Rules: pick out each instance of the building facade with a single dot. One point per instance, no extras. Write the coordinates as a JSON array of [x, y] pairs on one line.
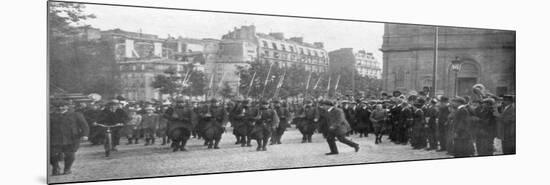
[[363, 62], [244, 45], [486, 56]]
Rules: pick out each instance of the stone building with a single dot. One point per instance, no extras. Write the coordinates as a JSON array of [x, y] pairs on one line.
[[244, 45], [363, 62], [486, 56]]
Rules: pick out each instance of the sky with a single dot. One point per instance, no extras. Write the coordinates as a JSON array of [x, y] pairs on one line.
[[194, 24]]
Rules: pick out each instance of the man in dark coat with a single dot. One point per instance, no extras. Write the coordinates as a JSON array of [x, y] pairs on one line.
[[237, 118], [266, 122], [418, 139], [443, 111], [431, 115], [284, 115], [113, 115], [507, 125], [337, 126], [461, 122], [92, 115], [364, 124], [66, 130]]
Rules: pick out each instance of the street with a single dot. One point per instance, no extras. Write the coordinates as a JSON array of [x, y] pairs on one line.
[[149, 161]]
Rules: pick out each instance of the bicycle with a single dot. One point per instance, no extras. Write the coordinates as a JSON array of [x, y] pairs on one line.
[[108, 137]]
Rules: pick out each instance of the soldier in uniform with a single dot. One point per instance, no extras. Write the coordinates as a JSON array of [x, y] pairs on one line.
[[404, 123], [236, 117], [67, 128], [284, 115], [214, 118], [181, 121], [394, 115], [163, 125], [305, 120], [337, 127], [378, 118], [266, 122]]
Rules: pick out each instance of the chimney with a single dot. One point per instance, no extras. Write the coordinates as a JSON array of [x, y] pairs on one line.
[[297, 39], [319, 45], [278, 35]]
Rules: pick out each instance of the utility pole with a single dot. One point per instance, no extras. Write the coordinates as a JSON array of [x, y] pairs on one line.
[[434, 74]]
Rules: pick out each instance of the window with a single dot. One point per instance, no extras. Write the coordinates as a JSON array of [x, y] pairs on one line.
[[291, 49], [275, 55], [283, 47], [274, 45], [315, 52], [265, 44], [266, 53], [302, 51], [308, 52]]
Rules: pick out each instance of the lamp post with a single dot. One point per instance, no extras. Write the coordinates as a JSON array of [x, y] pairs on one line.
[[456, 64]]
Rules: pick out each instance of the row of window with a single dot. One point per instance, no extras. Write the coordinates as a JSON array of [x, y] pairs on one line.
[[291, 49], [143, 67], [292, 57]]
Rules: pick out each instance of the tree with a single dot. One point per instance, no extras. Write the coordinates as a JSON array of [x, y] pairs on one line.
[[226, 92], [172, 81]]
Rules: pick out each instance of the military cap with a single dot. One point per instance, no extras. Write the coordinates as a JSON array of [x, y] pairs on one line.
[[420, 101], [412, 98], [444, 99], [213, 100]]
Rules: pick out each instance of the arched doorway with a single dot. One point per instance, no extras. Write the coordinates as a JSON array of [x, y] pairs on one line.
[[467, 77]]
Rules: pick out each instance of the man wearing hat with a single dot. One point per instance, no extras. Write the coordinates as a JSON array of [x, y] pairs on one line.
[[364, 123], [418, 139], [431, 114], [306, 119], [67, 128], [337, 126], [507, 124], [266, 122], [284, 115], [236, 117], [181, 121]]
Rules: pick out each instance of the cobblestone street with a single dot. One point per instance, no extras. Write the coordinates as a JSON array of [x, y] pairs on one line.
[[149, 161]]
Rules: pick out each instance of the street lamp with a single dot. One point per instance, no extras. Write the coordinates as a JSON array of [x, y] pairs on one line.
[[456, 64]]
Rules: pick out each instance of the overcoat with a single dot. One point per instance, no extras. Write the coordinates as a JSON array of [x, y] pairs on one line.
[[67, 128], [336, 122]]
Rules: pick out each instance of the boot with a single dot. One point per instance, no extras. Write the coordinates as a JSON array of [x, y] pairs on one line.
[[183, 143], [69, 159], [163, 141], [146, 141], [264, 145], [129, 141], [309, 138], [176, 146], [248, 140], [259, 148], [333, 148], [216, 144], [136, 141], [55, 169], [152, 141], [304, 139]]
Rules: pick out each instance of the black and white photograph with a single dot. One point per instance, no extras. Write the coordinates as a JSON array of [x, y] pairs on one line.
[[144, 92]]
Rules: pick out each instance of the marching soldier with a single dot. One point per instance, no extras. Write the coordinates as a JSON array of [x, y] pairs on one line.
[[378, 118], [181, 121], [237, 119], [266, 122], [306, 118], [162, 130], [337, 127], [214, 118], [284, 115], [67, 128]]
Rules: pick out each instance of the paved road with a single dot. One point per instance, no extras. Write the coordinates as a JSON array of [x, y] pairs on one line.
[[147, 161]]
